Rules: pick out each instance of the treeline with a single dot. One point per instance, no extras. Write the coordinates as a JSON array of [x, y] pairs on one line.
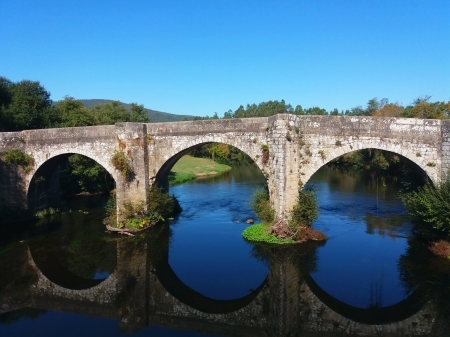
[[27, 105], [420, 108]]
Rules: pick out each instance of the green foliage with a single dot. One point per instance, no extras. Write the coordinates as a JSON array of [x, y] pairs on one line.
[[121, 162], [265, 154], [222, 153], [261, 233], [73, 113], [25, 105], [430, 205], [18, 158], [161, 206], [161, 202], [322, 154], [260, 204], [83, 175], [374, 160], [306, 210], [46, 212], [111, 210]]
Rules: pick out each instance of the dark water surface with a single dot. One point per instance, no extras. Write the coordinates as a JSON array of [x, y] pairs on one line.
[[198, 277]]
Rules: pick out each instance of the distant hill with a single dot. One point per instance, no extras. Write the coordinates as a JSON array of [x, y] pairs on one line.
[[153, 115]]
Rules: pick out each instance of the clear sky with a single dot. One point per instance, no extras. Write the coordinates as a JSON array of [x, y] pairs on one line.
[[198, 57]]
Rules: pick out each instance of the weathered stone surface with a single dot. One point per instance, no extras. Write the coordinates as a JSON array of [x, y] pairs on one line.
[[298, 147]]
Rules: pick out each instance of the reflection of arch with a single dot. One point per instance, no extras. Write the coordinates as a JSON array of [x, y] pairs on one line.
[[162, 174], [179, 290], [172, 283], [48, 168], [384, 315], [418, 162], [53, 269]]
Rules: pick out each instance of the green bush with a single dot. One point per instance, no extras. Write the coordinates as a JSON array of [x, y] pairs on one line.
[[260, 204], [305, 210], [161, 202], [18, 158], [430, 205], [161, 206], [121, 162]]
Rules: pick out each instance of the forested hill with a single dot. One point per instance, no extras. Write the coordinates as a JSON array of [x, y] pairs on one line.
[[153, 115]]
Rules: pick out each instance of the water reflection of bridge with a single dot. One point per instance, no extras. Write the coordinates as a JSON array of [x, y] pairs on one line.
[[143, 290]]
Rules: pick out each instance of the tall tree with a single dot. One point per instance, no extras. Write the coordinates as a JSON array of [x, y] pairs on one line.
[[29, 106], [73, 113]]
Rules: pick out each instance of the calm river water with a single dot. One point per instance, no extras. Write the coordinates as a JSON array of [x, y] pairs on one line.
[[198, 277]]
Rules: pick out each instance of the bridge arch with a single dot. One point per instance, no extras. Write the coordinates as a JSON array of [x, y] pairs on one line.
[[46, 169], [430, 169], [160, 179]]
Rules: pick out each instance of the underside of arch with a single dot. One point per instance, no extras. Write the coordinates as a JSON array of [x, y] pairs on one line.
[[161, 177], [429, 171], [43, 186]]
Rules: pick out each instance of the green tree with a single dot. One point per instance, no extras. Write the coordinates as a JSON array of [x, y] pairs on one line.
[[430, 205], [110, 113], [73, 113], [138, 114], [27, 105]]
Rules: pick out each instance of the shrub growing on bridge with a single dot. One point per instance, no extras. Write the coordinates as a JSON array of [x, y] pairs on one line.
[[18, 158]]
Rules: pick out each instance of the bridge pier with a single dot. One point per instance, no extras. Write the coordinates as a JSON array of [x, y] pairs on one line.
[[131, 138]]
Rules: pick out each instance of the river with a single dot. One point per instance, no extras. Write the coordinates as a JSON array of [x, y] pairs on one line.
[[198, 277]]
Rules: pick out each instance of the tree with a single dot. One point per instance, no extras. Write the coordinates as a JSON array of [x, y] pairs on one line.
[[5, 100], [73, 113], [390, 110], [110, 113], [138, 114], [29, 106]]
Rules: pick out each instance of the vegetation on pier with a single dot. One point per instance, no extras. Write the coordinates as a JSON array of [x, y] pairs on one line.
[[297, 229]]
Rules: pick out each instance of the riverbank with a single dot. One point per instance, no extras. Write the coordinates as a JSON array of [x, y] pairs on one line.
[[189, 168]]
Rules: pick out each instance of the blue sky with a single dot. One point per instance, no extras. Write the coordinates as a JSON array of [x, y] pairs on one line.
[[198, 57]]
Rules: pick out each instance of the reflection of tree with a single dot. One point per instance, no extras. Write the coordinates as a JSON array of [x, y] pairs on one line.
[[88, 255], [82, 253], [384, 225], [419, 269], [352, 181]]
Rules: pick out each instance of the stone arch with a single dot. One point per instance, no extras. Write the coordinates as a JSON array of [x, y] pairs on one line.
[[47, 166], [176, 153], [317, 161]]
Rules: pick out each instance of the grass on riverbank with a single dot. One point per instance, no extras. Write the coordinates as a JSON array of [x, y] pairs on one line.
[[189, 168]]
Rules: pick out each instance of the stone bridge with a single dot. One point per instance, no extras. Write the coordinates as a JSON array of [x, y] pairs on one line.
[[143, 290], [297, 146]]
